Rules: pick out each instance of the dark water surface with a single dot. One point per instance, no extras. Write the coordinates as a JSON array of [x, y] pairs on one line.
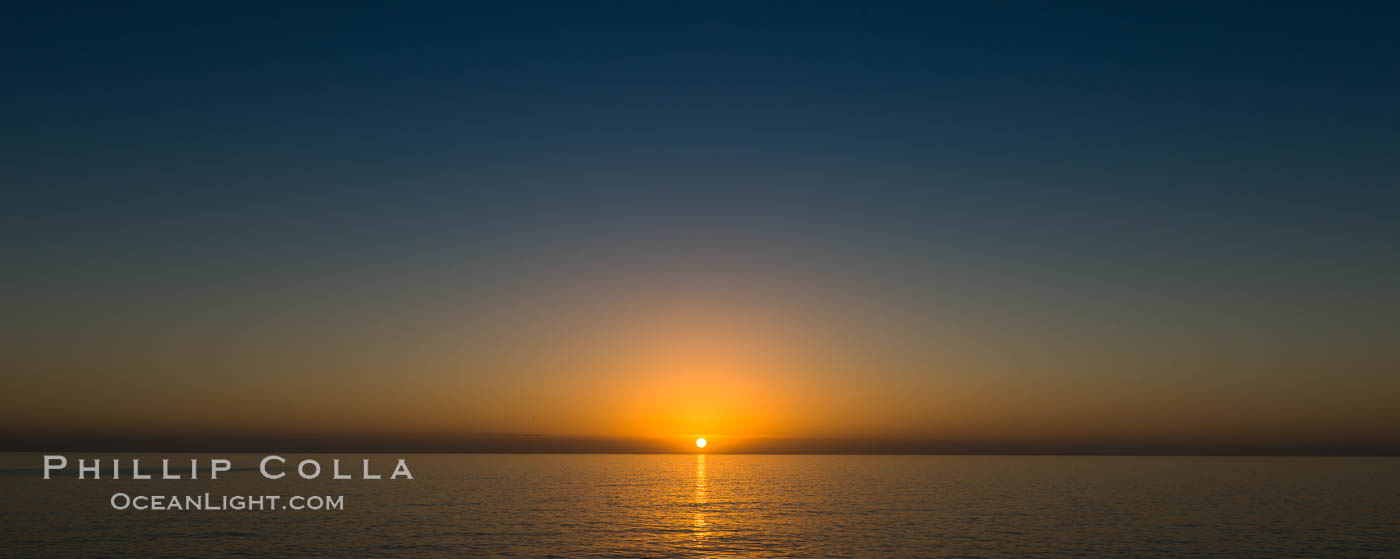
[[736, 506]]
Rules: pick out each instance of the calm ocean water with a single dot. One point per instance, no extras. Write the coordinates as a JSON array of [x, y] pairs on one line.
[[741, 506]]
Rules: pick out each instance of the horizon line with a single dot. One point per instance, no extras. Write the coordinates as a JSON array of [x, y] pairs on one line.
[[678, 453], [93, 442]]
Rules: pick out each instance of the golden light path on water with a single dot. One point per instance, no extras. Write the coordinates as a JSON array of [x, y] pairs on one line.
[[701, 528]]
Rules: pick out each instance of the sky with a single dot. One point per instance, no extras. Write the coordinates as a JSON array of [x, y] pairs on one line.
[[1021, 226]]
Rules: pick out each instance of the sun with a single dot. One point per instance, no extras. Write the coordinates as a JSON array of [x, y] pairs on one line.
[[700, 443]]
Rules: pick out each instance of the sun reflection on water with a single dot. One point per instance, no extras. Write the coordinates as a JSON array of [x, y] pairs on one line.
[[700, 527]]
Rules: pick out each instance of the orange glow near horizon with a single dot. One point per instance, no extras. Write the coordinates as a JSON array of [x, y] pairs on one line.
[[699, 369], [672, 366]]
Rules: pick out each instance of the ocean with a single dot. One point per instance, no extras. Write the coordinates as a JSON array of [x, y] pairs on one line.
[[716, 505]]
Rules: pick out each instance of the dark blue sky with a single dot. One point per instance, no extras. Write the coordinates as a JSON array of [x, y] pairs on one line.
[[1021, 107], [1212, 181]]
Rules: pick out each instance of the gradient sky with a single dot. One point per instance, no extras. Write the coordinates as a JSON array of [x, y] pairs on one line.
[[1171, 225]]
